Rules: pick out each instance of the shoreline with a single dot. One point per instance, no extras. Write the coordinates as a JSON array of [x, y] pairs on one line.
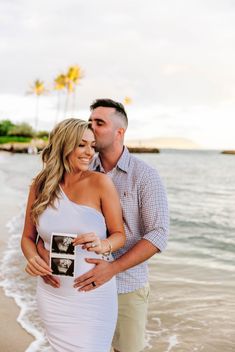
[[9, 311], [228, 152], [35, 146], [31, 147]]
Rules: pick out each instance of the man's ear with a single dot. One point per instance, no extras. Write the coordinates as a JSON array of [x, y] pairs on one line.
[[121, 132]]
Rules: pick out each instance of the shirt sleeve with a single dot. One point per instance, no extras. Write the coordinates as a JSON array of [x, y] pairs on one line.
[[154, 209]]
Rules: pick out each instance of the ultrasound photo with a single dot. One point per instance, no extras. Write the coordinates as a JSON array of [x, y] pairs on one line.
[[62, 254], [62, 266], [62, 244]]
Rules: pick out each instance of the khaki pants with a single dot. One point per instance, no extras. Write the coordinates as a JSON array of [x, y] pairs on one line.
[[132, 317]]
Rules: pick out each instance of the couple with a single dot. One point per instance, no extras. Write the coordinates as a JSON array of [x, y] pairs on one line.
[[81, 314]]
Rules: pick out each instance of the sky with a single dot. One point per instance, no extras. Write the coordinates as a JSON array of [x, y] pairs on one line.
[[174, 58]]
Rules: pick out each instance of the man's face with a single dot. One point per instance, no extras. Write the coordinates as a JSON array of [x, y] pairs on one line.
[[103, 126]]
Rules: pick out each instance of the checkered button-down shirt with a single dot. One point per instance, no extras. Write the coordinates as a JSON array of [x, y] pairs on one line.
[[145, 212]]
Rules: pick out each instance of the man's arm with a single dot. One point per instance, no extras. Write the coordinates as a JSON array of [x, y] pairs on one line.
[[153, 211], [104, 271], [45, 254], [142, 251]]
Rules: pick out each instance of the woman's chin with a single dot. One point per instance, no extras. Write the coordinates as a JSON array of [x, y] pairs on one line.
[[79, 168]]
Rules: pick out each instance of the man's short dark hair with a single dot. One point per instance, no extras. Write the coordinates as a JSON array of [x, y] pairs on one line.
[[109, 103]]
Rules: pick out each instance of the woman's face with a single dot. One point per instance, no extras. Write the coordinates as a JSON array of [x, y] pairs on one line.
[[80, 158]]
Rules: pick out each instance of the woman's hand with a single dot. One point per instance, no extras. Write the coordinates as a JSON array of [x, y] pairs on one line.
[[89, 241], [37, 266]]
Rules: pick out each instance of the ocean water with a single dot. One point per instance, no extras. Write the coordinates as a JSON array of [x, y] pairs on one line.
[[192, 301]]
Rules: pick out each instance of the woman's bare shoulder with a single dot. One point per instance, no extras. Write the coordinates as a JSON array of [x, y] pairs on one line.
[[100, 179]]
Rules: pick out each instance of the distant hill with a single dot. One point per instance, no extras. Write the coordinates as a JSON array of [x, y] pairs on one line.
[[164, 142]]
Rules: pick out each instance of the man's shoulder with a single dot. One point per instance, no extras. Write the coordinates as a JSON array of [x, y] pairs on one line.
[[140, 167], [140, 173]]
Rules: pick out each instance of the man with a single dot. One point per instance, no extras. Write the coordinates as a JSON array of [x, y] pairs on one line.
[[145, 215]]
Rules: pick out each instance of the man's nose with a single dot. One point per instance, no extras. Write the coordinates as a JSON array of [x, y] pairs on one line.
[[93, 125]]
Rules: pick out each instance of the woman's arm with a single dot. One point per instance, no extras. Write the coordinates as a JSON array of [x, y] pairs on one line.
[[36, 265], [54, 281]]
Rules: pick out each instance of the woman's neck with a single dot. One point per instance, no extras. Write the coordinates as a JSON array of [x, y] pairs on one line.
[[72, 177]]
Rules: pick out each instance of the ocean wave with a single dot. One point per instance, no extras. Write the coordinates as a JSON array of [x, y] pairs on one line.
[[19, 286]]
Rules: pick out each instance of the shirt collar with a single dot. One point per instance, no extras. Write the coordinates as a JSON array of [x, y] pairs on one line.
[[122, 164]]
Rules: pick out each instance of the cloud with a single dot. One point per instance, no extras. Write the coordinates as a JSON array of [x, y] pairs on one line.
[[174, 54]]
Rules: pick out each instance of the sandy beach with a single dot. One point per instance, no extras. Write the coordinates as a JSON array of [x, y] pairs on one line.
[[9, 312]]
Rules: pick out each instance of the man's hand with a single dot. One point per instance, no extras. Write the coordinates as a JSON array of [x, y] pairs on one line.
[[51, 280], [101, 273]]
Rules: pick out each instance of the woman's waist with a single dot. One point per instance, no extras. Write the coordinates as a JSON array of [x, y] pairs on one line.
[[68, 267], [66, 288]]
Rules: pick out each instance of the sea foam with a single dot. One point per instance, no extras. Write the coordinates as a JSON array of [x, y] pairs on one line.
[[21, 287]]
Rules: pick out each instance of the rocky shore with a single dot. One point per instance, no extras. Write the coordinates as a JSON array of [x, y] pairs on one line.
[[143, 150], [228, 152], [37, 145], [32, 147]]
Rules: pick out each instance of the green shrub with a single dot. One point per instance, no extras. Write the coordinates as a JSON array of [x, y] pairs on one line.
[[22, 129], [43, 134], [5, 127]]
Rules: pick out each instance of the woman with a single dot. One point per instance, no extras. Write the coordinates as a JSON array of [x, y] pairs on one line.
[[66, 197]]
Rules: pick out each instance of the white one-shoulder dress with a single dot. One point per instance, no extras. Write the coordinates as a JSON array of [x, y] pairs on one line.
[[76, 321]]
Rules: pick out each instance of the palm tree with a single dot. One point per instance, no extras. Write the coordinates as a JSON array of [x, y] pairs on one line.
[[60, 85], [38, 88], [73, 77], [127, 100]]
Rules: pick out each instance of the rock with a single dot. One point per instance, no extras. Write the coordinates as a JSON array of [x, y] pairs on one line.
[[228, 152], [143, 150]]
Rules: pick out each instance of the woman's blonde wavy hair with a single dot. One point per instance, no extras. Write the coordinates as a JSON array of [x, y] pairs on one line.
[[63, 139]]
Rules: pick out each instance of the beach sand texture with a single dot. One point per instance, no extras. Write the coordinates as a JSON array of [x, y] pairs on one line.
[[192, 284]]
